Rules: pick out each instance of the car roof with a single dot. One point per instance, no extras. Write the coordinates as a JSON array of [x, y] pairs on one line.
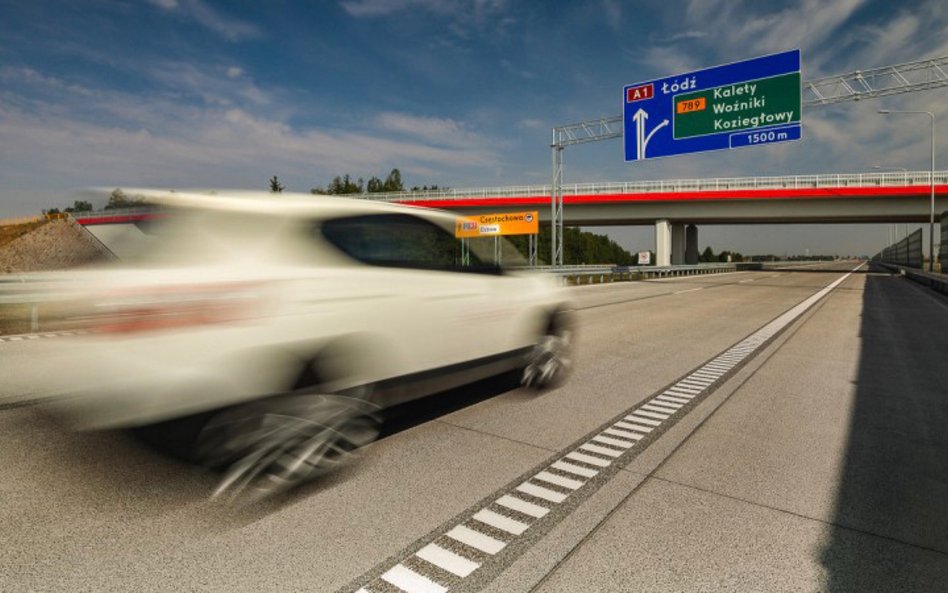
[[275, 204]]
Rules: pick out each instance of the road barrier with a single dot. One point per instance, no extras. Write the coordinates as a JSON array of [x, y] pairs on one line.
[[936, 282], [906, 253]]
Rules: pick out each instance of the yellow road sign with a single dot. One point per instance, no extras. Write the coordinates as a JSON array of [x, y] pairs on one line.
[[486, 225]]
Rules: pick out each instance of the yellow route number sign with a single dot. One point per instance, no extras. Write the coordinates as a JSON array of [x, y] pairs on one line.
[[487, 225]]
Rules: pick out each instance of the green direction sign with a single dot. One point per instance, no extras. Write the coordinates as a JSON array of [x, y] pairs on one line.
[[749, 104]]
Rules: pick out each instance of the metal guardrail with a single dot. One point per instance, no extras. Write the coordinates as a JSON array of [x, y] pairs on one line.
[[889, 179], [113, 212], [611, 273], [600, 274]]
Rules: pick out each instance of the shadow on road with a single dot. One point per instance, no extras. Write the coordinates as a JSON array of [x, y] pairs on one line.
[[891, 521]]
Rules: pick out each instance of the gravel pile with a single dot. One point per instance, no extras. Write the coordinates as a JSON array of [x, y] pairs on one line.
[[55, 245]]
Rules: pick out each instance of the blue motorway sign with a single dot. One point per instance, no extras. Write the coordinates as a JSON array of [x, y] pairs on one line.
[[746, 103]]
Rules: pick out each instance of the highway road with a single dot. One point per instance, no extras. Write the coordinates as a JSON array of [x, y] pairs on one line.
[[796, 440]]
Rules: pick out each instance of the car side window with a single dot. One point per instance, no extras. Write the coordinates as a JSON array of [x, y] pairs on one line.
[[400, 241]]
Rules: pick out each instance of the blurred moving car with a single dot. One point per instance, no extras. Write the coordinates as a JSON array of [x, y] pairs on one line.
[[264, 332]]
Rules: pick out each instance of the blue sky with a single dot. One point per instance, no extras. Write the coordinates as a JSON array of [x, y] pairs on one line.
[[463, 93]]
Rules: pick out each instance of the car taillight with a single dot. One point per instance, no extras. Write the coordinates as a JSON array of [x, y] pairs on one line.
[[175, 307]]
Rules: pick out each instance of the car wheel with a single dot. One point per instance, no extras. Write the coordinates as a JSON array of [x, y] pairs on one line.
[[549, 362], [270, 446]]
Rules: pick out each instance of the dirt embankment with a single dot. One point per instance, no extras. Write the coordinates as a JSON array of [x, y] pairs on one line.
[[55, 245]]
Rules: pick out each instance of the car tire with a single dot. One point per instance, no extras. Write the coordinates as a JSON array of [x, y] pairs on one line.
[[549, 363], [269, 446]]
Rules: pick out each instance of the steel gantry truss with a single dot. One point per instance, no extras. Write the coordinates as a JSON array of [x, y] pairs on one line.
[[862, 84]]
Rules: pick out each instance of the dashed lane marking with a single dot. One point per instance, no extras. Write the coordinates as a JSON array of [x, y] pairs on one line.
[[472, 548], [22, 337]]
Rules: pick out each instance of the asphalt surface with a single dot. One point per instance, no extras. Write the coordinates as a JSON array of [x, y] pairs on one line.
[[819, 464]]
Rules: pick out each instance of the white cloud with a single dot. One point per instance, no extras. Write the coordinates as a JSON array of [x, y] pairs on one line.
[[612, 10], [206, 82], [516, 71], [533, 124], [476, 11], [161, 142], [437, 131], [199, 11], [378, 8], [31, 77]]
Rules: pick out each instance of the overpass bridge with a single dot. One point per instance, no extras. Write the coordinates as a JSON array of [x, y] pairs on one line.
[[675, 207]]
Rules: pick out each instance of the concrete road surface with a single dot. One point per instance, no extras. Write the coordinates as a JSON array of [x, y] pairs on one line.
[[813, 457]]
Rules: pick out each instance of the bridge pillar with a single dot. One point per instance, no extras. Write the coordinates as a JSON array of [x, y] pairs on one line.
[[678, 244], [663, 243], [691, 245]]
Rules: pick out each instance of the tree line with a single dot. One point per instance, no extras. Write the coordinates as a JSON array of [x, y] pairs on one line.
[[579, 247], [345, 185]]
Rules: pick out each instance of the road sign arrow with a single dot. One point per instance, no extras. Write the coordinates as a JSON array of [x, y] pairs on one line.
[[641, 139], [640, 117]]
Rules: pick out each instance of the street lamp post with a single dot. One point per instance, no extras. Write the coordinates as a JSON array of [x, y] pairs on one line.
[[931, 178]]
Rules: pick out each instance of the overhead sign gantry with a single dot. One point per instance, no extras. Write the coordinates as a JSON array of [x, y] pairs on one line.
[[756, 101]]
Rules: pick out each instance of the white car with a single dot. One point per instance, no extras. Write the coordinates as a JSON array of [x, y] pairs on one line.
[[264, 331]]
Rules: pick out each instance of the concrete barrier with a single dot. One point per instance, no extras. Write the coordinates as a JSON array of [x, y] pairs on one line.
[[936, 282]]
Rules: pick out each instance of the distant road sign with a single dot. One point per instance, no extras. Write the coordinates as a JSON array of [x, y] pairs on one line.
[[485, 225], [747, 103]]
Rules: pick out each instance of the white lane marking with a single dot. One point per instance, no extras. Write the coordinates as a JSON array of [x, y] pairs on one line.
[[716, 366], [608, 440], [746, 281], [659, 409], [519, 504], [404, 578], [559, 480], [638, 427], [501, 522], [646, 421], [476, 539], [601, 450], [694, 383], [625, 434], [447, 560], [706, 375], [575, 469], [665, 405], [15, 339], [410, 581], [648, 414], [541, 492], [675, 392], [678, 401], [685, 388], [689, 290], [591, 460]]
